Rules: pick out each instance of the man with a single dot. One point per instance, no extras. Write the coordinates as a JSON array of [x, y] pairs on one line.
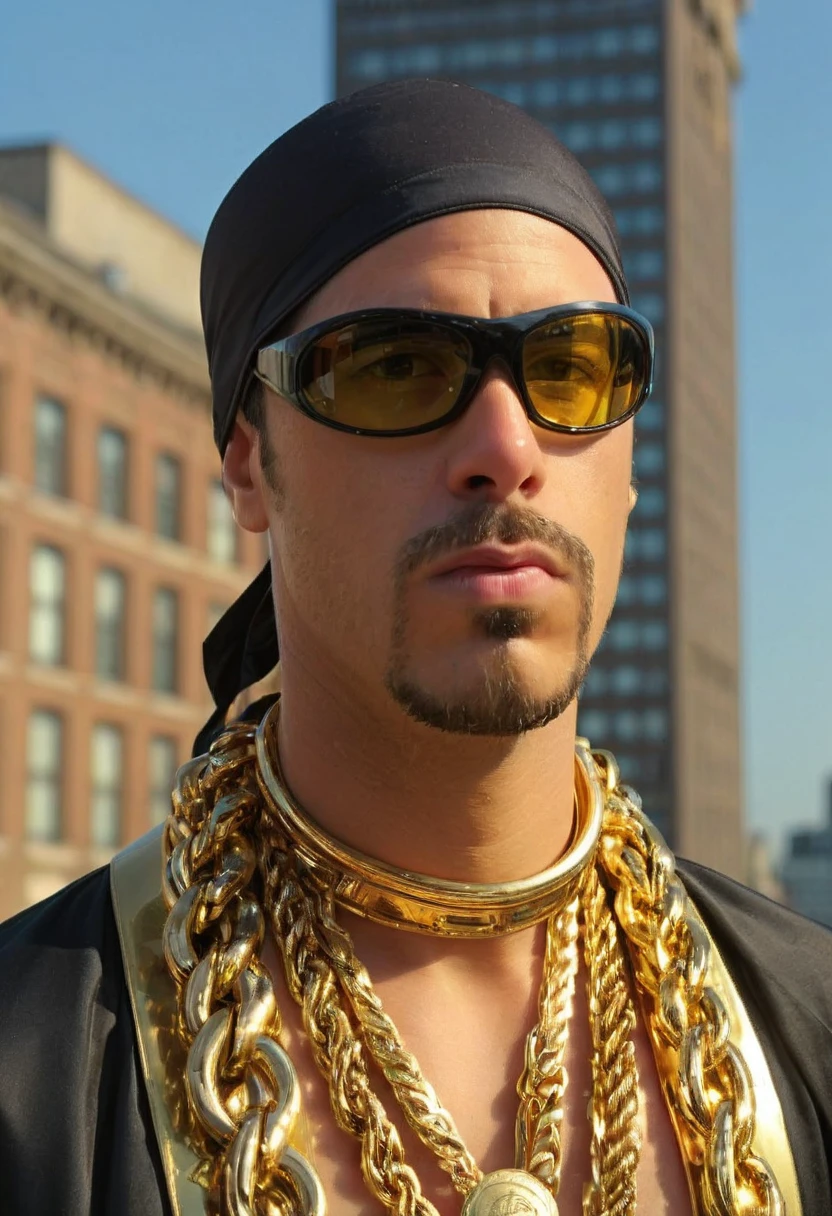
[[425, 376]]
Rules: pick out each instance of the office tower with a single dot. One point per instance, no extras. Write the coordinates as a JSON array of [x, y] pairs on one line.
[[640, 90], [117, 547]]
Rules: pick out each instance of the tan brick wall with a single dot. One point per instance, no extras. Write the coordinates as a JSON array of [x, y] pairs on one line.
[[48, 345]]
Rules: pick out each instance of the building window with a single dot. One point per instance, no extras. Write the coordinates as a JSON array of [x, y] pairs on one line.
[[593, 724], [650, 417], [595, 684], [650, 459], [655, 725], [652, 589], [162, 763], [44, 784], [165, 640], [650, 304], [168, 496], [654, 635], [47, 583], [110, 606], [639, 221], [644, 264], [640, 177], [107, 779], [112, 472], [50, 446], [452, 55], [651, 503], [222, 530], [646, 545]]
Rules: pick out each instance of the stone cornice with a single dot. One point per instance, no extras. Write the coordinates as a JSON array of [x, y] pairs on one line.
[[36, 275], [720, 18]]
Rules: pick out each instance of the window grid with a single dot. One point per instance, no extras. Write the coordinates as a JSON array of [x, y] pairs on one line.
[[44, 776], [506, 13], [110, 608], [50, 446], [165, 640], [112, 472], [222, 528], [107, 785], [574, 92], [569, 46], [168, 496], [47, 584]]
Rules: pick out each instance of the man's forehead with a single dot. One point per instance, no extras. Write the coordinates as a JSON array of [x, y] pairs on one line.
[[483, 262]]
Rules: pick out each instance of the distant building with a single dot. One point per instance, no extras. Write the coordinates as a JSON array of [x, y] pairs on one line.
[[117, 547], [807, 870], [641, 91], [760, 870]]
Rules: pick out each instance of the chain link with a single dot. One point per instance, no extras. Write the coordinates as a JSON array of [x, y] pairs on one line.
[[242, 1088], [711, 1085], [542, 1084]]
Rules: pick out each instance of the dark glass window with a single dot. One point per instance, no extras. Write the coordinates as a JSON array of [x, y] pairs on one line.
[[110, 609], [50, 446], [107, 785], [639, 221], [650, 417], [168, 495], [650, 304], [112, 472], [44, 775], [165, 640], [47, 586]]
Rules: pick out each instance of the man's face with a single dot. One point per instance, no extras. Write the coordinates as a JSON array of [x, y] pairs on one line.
[[381, 548]]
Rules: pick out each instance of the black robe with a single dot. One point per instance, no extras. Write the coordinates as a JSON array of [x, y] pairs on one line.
[[76, 1137]]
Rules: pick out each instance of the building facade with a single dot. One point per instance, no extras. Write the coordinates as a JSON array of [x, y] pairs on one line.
[[807, 869], [640, 90], [117, 547]]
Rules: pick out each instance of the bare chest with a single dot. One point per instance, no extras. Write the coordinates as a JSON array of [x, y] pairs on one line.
[[471, 1052]]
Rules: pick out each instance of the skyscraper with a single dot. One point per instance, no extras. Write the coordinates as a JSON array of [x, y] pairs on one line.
[[640, 90]]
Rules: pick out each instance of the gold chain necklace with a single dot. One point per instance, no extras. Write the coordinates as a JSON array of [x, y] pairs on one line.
[[418, 902], [242, 1093]]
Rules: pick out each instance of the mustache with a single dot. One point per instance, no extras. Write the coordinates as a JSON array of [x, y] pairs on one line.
[[503, 523]]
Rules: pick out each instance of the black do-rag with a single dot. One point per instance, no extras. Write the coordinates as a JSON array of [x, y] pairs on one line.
[[353, 173]]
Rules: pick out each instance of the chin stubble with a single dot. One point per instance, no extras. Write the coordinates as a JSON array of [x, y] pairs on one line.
[[500, 705]]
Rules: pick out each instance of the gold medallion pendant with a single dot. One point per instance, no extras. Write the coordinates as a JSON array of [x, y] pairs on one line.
[[510, 1193]]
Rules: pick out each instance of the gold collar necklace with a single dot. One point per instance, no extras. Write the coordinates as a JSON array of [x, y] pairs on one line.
[[418, 902]]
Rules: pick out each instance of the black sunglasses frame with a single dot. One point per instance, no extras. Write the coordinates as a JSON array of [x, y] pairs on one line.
[[278, 364]]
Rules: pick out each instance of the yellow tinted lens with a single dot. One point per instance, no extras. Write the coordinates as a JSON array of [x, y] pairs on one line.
[[381, 377], [585, 371]]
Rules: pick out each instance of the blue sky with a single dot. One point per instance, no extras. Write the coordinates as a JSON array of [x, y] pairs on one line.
[[172, 100]]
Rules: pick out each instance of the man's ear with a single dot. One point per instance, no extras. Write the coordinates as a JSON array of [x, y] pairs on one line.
[[242, 477], [633, 496]]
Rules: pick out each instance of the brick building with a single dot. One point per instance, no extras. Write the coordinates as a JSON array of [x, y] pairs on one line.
[[117, 547]]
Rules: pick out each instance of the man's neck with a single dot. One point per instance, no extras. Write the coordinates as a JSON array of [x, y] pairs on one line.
[[472, 809]]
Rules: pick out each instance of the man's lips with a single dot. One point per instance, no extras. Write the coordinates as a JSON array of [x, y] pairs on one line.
[[497, 575], [491, 559]]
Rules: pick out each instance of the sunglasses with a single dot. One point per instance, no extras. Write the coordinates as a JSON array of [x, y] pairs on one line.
[[578, 368]]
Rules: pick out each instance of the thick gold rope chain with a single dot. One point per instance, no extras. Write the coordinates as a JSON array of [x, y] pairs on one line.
[[241, 1087]]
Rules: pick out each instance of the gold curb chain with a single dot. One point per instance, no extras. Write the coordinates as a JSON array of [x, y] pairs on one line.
[[223, 847]]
